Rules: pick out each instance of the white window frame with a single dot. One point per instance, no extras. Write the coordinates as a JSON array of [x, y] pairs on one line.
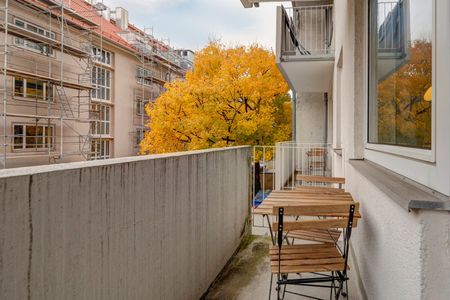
[[98, 85], [25, 96], [140, 106], [143, 79], [104, 120], [140, 133], [102, 56], [28, 44], [24, 148], [102, 149], [427, 167], [428, 155], [45, 33]]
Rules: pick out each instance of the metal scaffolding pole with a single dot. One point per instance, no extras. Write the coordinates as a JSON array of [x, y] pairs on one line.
[[5, 83]]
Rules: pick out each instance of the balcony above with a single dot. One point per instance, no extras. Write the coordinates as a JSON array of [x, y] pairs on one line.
[[305, 46]]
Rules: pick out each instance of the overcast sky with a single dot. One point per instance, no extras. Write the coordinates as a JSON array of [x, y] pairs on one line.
[[190, 23]]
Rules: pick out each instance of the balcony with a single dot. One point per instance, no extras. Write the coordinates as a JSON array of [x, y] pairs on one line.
[[305, 46], [149, 227]]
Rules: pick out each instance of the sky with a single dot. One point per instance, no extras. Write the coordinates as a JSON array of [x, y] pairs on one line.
[[191, 24]]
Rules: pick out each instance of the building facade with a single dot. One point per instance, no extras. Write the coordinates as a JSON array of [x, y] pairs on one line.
[[76, 77], [371, 79]]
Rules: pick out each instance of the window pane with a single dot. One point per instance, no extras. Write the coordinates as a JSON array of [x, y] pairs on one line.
[[30, 138], [35, 89], [39, 137], [49, 137], [19, 87], [19, 23], [400, 105], [18, 136]]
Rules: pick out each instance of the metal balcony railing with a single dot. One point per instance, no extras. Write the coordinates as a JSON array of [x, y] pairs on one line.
[[391, 36], [307, 31], [276, 167]]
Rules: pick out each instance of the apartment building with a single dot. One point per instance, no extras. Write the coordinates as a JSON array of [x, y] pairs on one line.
[[371, 83], [76, 77]]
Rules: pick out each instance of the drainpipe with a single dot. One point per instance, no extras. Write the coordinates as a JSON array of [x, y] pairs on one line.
[[294, 115]]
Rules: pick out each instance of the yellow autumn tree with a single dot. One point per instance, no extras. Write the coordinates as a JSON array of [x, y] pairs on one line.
[[234, 96], [404, 117]]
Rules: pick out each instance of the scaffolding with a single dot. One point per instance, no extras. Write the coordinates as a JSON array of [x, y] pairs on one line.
[[158, 62], [49, 88]]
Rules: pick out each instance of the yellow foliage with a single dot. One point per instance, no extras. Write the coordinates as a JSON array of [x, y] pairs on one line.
[[234, 96], [404, 116]]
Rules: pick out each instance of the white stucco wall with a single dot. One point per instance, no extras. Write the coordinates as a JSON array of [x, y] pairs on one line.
[[310, 118], [399, 254], [153, 227]]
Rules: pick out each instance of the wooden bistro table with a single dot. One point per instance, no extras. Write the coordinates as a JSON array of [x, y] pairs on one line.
[[305, 196]]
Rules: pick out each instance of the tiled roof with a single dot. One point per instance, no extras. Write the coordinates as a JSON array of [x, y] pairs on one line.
[[82, 14], [105, 27]]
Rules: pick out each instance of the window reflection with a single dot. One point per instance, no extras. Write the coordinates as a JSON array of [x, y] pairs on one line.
[[400, 105]]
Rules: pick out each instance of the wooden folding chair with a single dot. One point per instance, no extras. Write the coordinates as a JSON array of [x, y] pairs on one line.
[[321, 179], [326, 258]]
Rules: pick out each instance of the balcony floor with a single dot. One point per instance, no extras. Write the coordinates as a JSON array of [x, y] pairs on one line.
[[247, 276]]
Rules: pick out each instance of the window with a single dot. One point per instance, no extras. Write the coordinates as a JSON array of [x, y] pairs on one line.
[[140, 106], [400, 73], [101, 83], [168, 77], [32, 89], [140, 134], [143, 76], [32, 46], [38, 137], [34, 28], [102, 56], [100, 149], [103, 124]]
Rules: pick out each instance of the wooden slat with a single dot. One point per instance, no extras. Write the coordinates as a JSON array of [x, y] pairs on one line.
[[308, 261], [323, 179], [317, 189], [323, 236], [312, 192], [314, 224], [310, 196], [308, 269], [269, 211], [324, 252], [315, 209], [303, 246], [306, 258]]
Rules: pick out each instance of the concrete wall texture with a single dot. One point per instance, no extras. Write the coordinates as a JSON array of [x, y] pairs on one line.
[[154, 227]]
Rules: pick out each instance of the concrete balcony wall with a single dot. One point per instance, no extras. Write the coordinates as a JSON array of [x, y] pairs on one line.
[[151, 227]]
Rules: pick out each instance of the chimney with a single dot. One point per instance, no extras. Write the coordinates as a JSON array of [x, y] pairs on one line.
[[122, 18], [107, 13]]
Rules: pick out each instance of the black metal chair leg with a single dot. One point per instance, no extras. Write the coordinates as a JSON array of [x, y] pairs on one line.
[[270, 287], [345, 294], [341, 285], [332, 286]]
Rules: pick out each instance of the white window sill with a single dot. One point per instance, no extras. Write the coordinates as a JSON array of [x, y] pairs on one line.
[[408, 194]]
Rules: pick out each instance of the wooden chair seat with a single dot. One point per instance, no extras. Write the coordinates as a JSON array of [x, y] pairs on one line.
[[316, 235], [306, 258], [319, 189], [321, 179]]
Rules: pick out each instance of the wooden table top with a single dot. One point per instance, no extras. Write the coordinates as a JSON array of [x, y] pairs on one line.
[[301, 198]]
